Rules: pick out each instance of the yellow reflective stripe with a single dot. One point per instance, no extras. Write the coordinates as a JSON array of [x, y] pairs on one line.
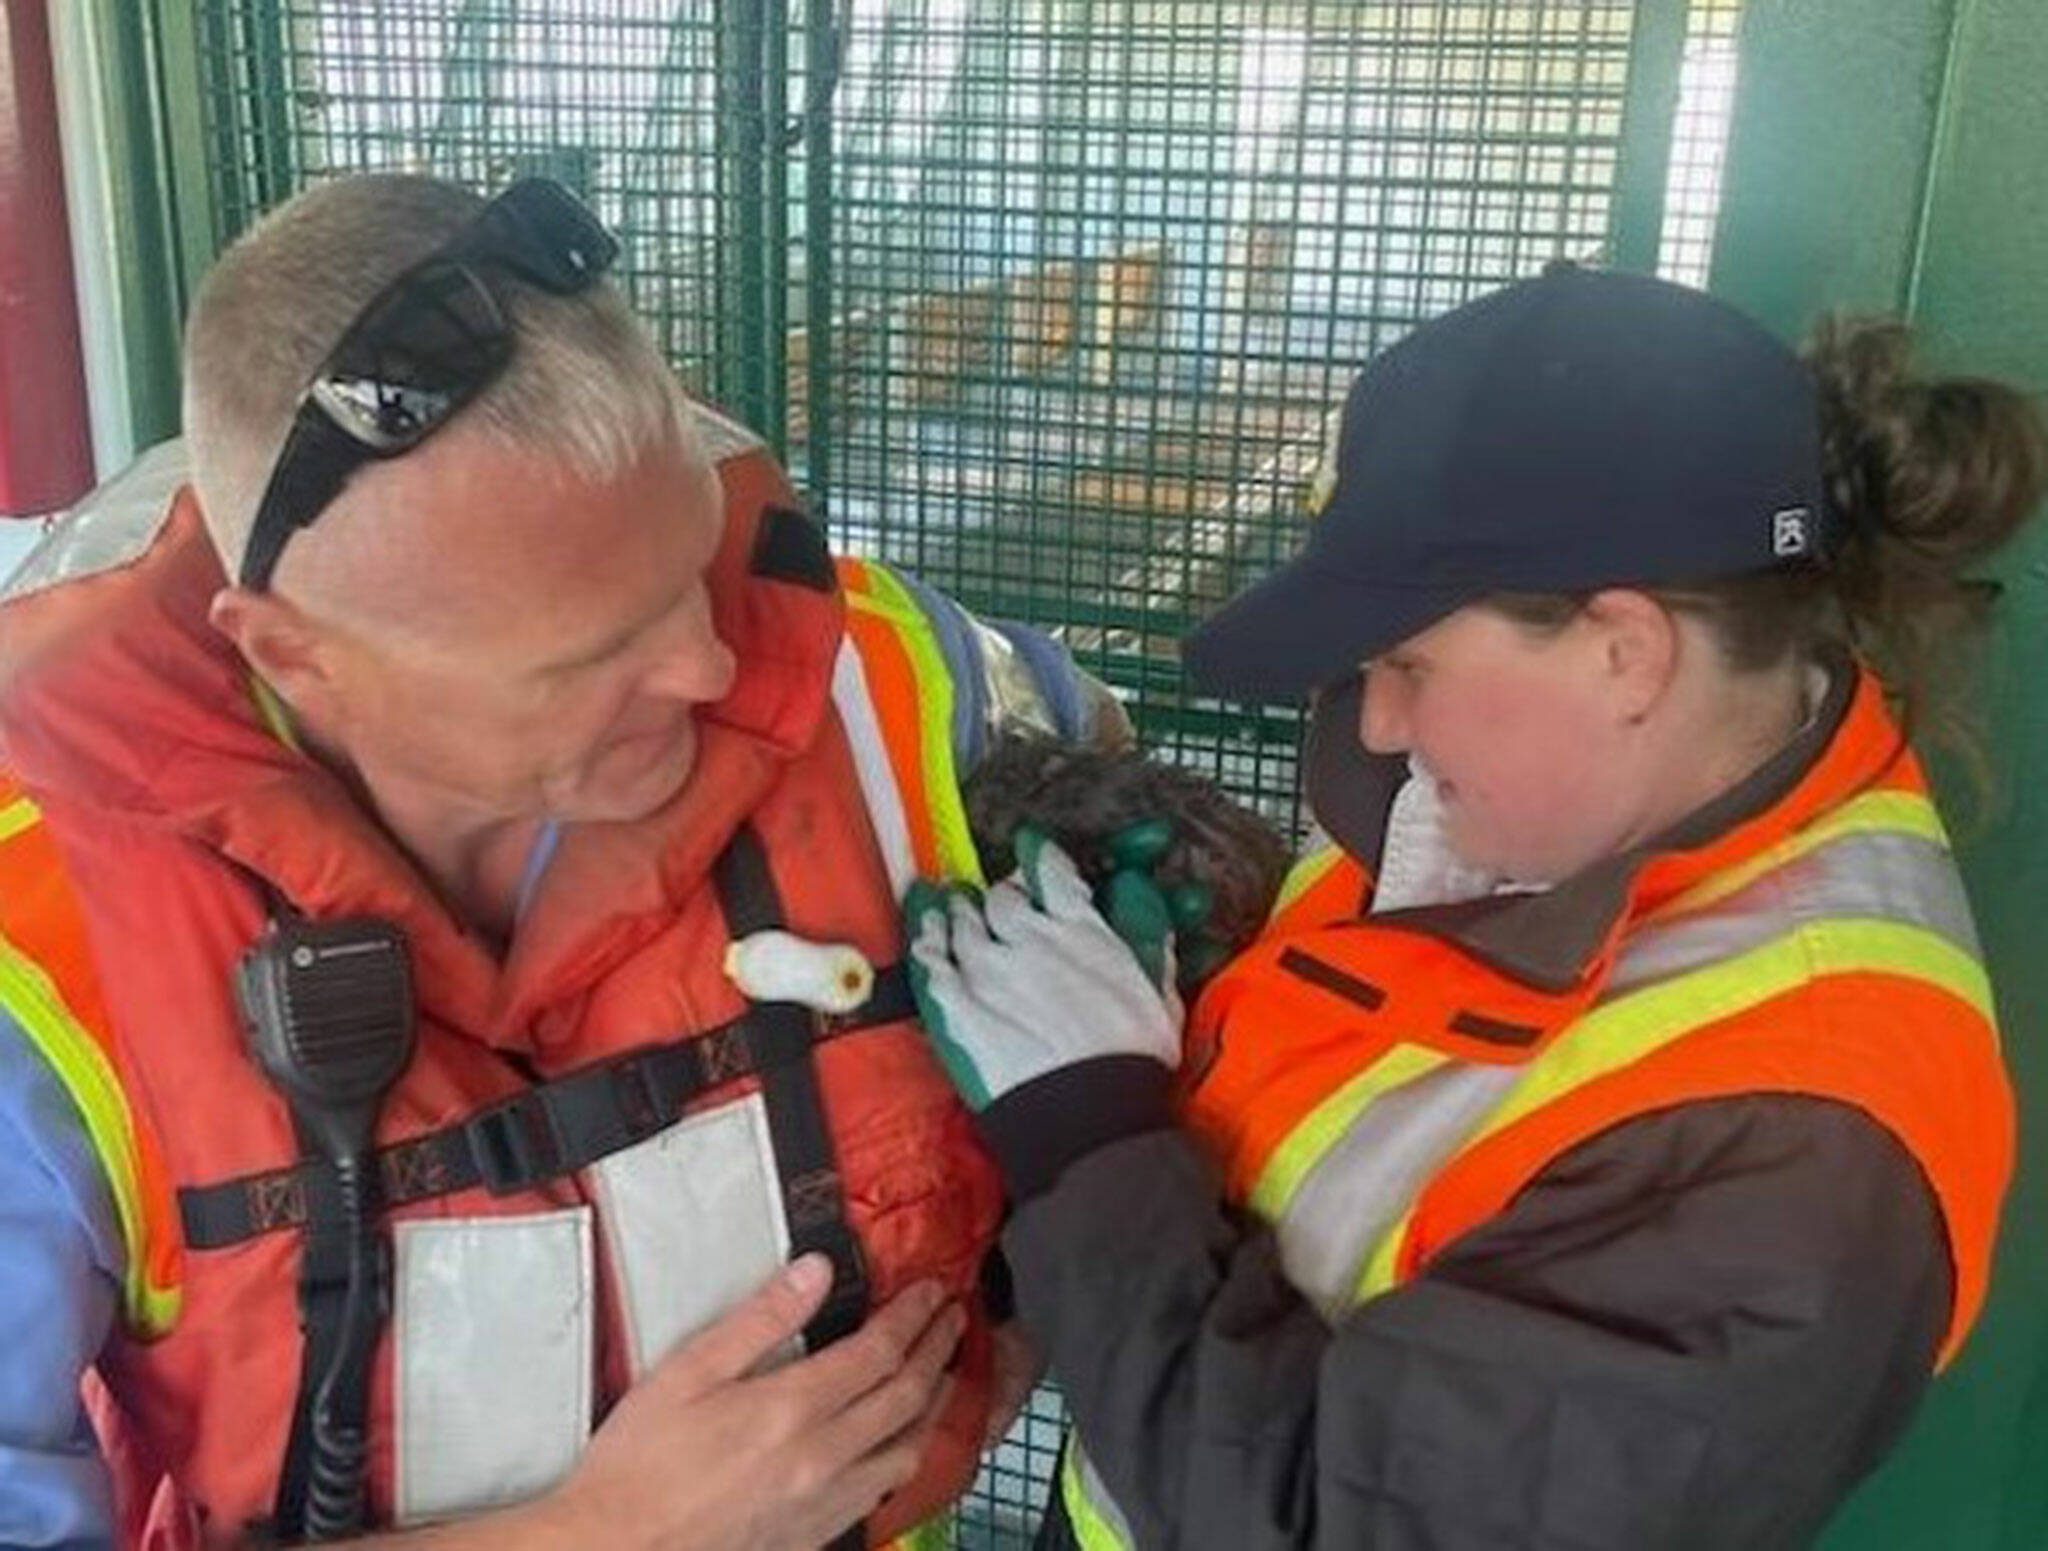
[[1631, 1027], [18, 816], [273, 713], [1092, 1528], [1305, 875], [1305, 1146], [31, 998], [1378, 1276], [1906, 813], [890, 600]]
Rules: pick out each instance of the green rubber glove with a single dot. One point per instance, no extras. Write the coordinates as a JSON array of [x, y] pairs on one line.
[[1166, 928]]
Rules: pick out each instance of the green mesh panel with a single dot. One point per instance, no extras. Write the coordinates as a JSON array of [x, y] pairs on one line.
[[1049, 300]]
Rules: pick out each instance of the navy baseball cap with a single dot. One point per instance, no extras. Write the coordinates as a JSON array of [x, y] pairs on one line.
[[1582, 430]]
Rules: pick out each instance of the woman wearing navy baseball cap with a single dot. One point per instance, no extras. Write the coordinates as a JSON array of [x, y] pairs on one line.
[[1604, 1145]]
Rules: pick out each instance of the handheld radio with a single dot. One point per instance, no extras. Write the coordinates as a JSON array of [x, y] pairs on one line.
[[328, 1011]]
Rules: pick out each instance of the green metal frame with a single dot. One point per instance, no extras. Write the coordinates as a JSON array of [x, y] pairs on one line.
[[744, 256], [1656, 53]]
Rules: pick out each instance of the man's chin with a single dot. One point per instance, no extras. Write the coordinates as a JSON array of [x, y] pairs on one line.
[[627, 796]]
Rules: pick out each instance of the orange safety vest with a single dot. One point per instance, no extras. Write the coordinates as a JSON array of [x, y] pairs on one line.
[[540, 1260], [1374, 1087]]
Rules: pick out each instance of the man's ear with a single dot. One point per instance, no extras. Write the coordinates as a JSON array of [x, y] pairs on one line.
[[294, 653], [1639, 645]]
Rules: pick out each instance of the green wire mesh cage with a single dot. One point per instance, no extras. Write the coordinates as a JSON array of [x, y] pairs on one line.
[[1048, 300]]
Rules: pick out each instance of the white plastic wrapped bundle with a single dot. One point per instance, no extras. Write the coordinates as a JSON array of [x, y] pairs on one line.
[[778, 966]]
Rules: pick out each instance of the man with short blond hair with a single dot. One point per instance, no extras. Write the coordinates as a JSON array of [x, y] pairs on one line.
[[458, 647]]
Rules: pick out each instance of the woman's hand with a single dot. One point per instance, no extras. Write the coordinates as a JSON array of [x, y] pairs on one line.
[[1033, 980]]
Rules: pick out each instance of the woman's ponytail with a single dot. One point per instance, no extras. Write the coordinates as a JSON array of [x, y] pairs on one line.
[[1928, 475]]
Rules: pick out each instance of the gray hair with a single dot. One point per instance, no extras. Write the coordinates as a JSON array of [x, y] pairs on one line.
[[586, 382]]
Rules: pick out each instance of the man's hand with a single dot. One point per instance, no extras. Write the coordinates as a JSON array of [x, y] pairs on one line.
[[706, 1452]]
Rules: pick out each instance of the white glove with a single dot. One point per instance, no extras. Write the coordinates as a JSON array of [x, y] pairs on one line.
[[1032, 980]]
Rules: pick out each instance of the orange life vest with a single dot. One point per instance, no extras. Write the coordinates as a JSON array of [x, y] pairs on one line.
[[536, 1252]]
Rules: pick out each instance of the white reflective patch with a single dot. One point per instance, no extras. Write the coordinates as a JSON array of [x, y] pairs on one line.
[[693, 1221], [495, 1329]]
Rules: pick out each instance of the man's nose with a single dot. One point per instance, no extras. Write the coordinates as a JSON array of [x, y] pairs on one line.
[[699, 668], [1383, 713]]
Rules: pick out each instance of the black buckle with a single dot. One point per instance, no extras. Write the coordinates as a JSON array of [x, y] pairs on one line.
[[515, 1145]]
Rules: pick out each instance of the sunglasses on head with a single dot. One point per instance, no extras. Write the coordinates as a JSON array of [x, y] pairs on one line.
[[428, 343]]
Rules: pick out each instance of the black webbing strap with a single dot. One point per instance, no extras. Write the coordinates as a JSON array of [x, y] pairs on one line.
[[811, 1197], [543, 1133]]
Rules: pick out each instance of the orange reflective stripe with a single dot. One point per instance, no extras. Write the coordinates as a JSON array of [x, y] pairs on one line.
[[888, 597], [892, 685]]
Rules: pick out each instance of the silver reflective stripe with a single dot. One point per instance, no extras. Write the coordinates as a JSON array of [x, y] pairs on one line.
[[111, 527], [1887, 877], [1363, 1184], [1372, 1173]]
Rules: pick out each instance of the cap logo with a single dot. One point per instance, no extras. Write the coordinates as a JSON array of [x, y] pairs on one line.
[[1792, 532]]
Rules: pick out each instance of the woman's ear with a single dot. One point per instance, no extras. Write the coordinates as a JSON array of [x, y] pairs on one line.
[[1638, 643]]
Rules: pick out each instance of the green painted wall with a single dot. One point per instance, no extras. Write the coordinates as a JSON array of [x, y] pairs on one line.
[[1895, 153], [1835, 109]]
